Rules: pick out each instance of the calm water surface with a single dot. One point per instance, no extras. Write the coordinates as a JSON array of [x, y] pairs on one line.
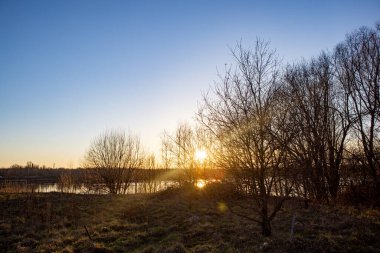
[[133, 188]]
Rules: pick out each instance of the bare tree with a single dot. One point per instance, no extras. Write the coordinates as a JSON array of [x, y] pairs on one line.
[[240, 114], [320, 115], [149, 173], [358, 69], [182, 147], [115, 156], [166, 151]]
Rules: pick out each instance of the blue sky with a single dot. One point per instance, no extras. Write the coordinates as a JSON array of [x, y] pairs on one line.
[[72, 69]]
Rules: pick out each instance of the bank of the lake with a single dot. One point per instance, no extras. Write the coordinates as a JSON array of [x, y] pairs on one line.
[[164, 222]]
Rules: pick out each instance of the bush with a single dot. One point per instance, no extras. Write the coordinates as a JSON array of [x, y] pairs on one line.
[[218, 190]]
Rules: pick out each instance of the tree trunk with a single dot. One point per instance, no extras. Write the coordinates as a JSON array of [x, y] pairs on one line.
[[266, 228], [305, 203]]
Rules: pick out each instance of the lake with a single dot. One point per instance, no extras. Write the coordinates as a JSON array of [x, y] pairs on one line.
[[133, 188]]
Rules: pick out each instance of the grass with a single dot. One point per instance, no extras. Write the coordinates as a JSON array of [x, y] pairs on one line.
[[163, 222]]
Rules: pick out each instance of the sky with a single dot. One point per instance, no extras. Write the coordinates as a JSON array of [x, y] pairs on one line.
[[69, 70]]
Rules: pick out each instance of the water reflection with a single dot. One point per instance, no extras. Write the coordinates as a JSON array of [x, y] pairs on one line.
[[133, 188]]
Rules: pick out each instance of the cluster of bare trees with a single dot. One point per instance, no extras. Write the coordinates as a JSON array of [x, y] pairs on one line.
[[116, 163], [309, 129], [114, 156], [305, 129], [179, 150]]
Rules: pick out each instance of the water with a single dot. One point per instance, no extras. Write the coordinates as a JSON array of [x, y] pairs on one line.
[[133, 188]]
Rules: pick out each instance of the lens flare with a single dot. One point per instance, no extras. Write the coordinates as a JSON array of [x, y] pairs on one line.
[[222, 207]]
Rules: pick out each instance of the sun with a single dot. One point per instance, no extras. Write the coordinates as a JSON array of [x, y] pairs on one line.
[[200, 183], [200, 155]]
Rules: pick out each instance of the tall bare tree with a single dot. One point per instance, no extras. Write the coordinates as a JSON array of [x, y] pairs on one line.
[[182, 145], [166, 154], [115, 156], [320, 115], [239, 112], [149, 173], [358, 69]]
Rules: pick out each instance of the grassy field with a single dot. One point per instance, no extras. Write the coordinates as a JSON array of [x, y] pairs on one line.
[[164, 222]]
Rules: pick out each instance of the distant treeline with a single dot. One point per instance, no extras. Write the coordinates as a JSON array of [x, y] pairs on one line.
[[37, 174]]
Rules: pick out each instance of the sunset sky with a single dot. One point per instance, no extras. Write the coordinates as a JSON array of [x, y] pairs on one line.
[[71, 69]]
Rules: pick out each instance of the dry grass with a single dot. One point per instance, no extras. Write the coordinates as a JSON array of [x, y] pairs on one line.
[[164, 223]]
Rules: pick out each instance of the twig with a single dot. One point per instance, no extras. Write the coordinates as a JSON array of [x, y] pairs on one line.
[[244, 216], [88, 234]]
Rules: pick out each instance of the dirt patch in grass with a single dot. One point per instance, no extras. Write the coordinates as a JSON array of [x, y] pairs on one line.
[[174, 222]]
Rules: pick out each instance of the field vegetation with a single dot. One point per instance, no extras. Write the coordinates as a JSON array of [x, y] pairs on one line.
[[165, 222]]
